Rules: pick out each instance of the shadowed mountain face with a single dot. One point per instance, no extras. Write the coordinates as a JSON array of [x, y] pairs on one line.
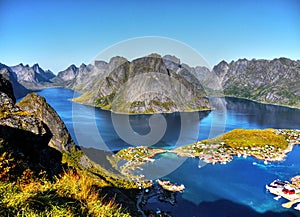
[[149, 84], [18, 89], [270, 81], [33, 130]]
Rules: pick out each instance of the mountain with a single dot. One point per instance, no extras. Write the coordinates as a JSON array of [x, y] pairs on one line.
[[32, 77], [102, 84], [269, 81], [19, 89], [86, 76], [66, 76], [150, 84]]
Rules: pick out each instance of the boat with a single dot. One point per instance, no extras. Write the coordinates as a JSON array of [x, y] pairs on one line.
[[297, 207], [167, 185], [277, 198]]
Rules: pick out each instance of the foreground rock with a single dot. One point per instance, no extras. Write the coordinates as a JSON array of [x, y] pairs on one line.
[[25, 135], [37, 105]]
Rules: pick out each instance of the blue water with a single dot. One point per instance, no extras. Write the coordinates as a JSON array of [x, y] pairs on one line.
[[234, 189]]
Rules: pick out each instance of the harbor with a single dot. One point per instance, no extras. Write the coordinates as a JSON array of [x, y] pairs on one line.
[[287, 190]]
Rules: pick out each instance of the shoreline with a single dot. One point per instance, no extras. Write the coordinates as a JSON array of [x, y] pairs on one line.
[[212, 153], [211, 109], [261, 102]]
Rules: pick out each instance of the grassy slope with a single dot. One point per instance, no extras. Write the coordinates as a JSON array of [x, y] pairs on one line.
[[249, 138], [75, 192]]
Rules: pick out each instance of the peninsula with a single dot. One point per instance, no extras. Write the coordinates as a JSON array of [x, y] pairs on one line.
[[268, 145]]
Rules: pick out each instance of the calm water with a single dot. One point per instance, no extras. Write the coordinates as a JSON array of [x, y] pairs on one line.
[[234, 189]]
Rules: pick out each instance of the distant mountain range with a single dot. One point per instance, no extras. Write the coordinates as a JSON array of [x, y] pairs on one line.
[[274, 81], [155, 84]]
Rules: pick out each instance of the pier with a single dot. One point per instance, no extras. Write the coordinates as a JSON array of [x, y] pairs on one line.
[[289, 191]]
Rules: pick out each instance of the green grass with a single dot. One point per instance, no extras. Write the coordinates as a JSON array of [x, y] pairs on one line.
[[73, 193], [66, 196], [249, 138]]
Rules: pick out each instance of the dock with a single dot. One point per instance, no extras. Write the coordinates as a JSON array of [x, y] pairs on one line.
[[285, 190]]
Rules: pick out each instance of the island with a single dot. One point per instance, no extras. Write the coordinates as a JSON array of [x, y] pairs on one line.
[[268, 145]]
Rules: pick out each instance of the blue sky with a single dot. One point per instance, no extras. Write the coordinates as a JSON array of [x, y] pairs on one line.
[[58, 33]]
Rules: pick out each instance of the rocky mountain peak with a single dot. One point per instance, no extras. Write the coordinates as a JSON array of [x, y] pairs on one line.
[[37, 106], [100, 63], [69, 74], [145, 85]]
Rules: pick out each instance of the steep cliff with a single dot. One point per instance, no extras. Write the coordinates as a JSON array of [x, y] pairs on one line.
[[25, 135], [37, 106]]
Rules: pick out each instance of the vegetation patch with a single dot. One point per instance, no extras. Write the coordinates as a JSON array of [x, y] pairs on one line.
[[250, 138], [74, 192]]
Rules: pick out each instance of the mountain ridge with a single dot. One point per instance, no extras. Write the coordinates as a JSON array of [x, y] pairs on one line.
[[268, 81], [255, 79]]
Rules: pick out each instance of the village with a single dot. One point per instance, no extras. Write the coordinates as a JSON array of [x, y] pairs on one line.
[[220, 152], [132, 159], [208, 151]]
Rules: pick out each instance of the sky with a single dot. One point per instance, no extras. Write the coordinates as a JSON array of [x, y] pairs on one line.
[[56, 34]]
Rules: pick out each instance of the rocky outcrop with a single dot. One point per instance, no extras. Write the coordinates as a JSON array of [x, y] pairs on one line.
[[32, 130], [6, 88], [150, 84], [269, 81], [37, 106], [26, 137]]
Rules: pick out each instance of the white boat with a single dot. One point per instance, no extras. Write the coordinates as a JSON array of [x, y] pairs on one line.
[[297, 207], [277, 198]]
